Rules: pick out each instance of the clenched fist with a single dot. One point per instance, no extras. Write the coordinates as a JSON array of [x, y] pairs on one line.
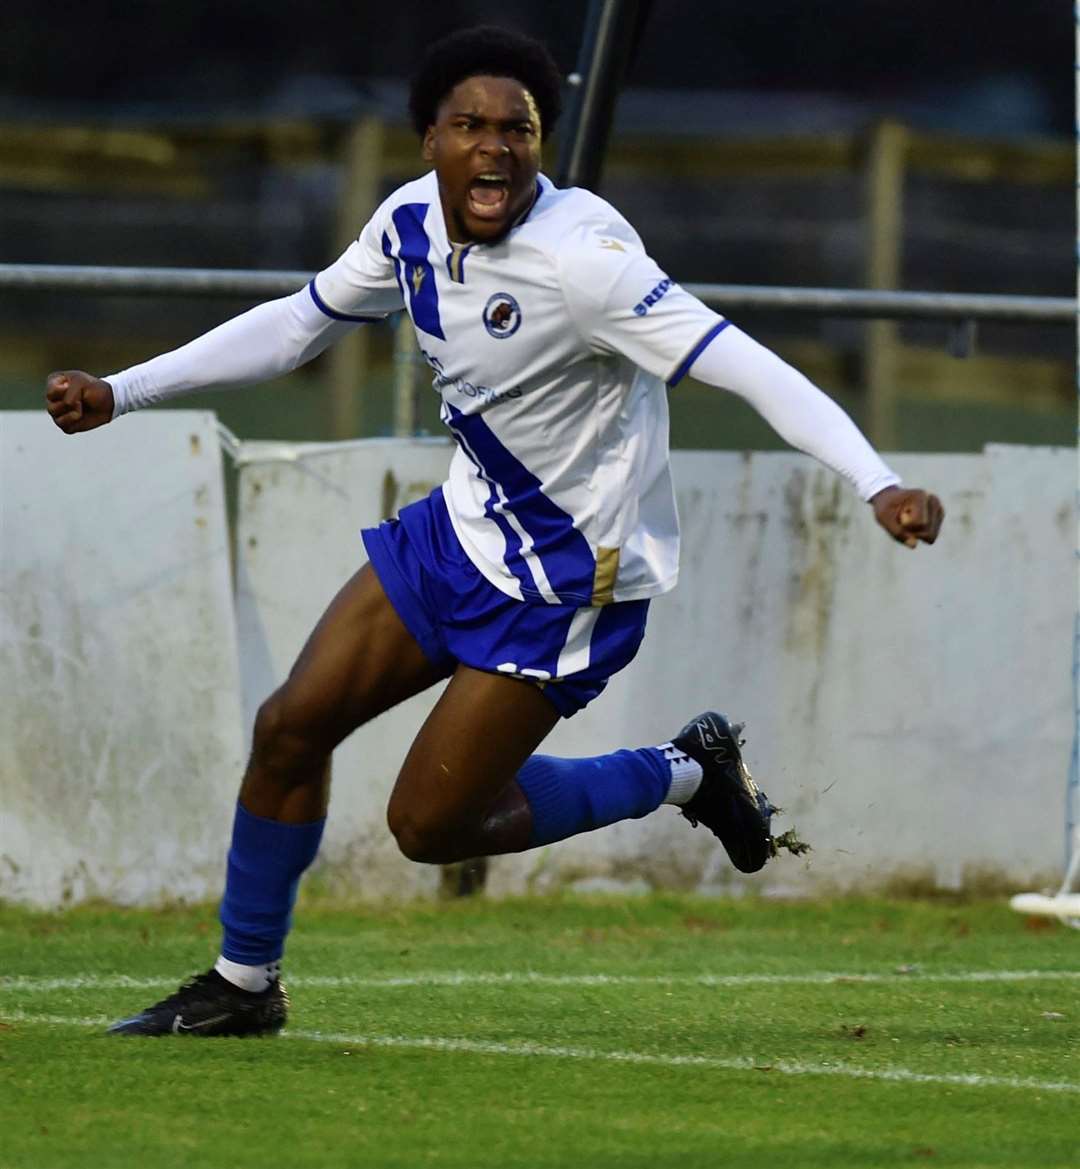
[[78, 401], [908, 514]]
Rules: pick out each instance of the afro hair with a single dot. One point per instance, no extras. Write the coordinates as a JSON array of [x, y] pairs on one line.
[[491, 51]]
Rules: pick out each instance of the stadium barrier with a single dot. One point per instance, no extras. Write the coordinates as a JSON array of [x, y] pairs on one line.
[[911, 711], [120, 724]]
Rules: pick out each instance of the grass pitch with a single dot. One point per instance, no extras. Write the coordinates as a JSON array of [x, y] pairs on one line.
[[661, 1031]]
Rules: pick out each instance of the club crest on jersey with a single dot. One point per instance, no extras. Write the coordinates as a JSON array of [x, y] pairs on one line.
[[502, 315]]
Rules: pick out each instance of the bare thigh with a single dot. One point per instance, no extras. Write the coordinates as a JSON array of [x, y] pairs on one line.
[[359, 661], [455, 796]]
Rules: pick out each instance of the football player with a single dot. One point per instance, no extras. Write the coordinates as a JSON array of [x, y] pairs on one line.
[[526, 578]]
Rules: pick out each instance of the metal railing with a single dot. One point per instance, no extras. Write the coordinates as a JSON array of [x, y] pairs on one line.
[[847, 302]]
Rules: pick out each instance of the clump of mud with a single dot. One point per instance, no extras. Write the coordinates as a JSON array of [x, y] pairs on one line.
[[790, 841]]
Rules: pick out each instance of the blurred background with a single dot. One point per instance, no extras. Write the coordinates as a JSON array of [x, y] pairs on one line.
[[916, 144]]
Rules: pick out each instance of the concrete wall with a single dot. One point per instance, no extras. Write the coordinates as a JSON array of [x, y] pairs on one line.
[[911, 711], [120, 721]]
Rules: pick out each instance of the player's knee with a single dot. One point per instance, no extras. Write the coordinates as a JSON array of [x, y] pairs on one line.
[[419, 838], [281, 740]]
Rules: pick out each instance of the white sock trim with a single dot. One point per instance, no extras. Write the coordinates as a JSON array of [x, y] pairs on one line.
[[252, 978], [685, 774]]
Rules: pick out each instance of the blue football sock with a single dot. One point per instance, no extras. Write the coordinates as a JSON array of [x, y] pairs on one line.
[[568, 796], [266, 861]]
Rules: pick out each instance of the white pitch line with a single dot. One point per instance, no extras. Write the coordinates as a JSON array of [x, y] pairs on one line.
[[784, 1067], [29, 984], [55, 1020]]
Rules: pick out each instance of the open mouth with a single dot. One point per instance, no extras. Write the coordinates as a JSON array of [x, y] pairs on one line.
[[489, 196]]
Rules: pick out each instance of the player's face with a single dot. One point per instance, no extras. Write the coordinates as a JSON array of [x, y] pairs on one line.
[[485, 146]]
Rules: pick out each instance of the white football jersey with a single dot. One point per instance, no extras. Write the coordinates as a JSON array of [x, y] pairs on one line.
[[552, 351]]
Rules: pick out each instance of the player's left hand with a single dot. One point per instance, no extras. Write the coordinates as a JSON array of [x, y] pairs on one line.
[[908, 514]]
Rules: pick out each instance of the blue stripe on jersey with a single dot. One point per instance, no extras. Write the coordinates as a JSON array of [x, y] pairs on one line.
[[515, 562], [323, 307], [563, 551], [388, 252], [418, 272], [696, 352]]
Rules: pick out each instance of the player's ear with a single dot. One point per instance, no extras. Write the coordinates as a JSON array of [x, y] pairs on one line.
[[427, 149]]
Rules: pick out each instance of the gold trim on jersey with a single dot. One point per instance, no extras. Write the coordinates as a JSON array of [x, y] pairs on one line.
[[455, 262], [607, 568]]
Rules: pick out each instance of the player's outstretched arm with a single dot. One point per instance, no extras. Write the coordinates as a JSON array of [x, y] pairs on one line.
[[78, 401], [812, 422], [623, 303], [269, 340]]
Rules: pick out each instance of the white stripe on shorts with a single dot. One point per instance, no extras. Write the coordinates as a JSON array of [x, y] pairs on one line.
[[577, 650]]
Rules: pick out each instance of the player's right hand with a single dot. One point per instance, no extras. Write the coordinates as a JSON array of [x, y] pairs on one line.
[[78, 401]]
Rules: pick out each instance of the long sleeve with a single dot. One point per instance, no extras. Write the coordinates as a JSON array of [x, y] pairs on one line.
[[268, 340], [793, 406]]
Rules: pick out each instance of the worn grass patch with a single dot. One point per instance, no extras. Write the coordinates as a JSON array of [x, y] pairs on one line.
[[558, 1032]]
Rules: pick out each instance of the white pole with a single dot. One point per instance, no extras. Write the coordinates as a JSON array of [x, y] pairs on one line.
[[1072, 797], [1065, 904]]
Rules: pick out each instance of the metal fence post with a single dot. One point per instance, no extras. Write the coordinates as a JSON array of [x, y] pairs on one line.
[[361, 166], [406, 383], [884, 237]]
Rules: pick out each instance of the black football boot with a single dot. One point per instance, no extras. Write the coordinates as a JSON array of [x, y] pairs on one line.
[[209, 1005], [728, 801]]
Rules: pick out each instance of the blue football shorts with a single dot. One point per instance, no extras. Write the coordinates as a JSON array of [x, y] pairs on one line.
[[457, 615]]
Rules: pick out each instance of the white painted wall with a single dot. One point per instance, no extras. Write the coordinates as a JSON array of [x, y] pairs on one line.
[[120, 721], [298, 541], [912, 711]]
